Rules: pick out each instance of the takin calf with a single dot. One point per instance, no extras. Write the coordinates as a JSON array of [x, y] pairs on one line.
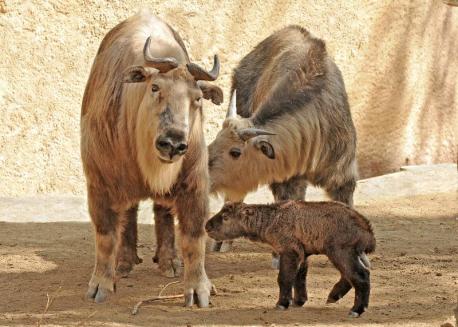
[[297, 229]]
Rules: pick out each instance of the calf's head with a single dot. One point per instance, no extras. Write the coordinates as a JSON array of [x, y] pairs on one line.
[[228, 222], [238, 150], [170, 103]]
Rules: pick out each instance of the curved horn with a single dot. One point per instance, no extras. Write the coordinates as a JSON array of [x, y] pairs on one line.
[[161, 64], [248, 133], [201, 74], [232, 109]]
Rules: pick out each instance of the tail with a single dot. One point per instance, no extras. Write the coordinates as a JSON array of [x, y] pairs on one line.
[[364, 261], [369, 247]]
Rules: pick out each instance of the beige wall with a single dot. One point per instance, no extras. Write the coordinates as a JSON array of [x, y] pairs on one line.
[[399, 60]]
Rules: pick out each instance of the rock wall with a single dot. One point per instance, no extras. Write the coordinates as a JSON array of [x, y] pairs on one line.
[[399, 60]]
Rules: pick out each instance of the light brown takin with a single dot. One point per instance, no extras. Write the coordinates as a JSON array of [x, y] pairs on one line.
[[142, 137], [288, 124], [298, 229]]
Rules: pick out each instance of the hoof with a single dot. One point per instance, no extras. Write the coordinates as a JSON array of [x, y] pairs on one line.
[[331, 300], [226, 247], [123, 269], [170, 268], [299, 303], [281, 307], [100, 289], [353, 314], [198, 293]]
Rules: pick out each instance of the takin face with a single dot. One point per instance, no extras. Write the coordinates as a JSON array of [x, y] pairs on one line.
[[227, 224], [171, 104], [235, 153]]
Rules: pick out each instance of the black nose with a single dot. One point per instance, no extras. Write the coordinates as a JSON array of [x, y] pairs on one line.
[[171, 146]]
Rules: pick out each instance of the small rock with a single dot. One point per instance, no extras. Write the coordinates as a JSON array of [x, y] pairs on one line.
[[402, 254], [438, 274], [447, 324]]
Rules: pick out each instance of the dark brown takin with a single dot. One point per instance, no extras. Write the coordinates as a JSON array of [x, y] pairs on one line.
[[288, 124], [298, 229]]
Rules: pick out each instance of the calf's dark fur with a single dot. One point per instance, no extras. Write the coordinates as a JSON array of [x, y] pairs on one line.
[[297, 229]]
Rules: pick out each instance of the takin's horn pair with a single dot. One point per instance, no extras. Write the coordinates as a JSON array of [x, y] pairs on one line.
[[169, 63]]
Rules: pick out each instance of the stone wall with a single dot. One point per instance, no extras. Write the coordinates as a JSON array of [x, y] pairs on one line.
[[399, 60]]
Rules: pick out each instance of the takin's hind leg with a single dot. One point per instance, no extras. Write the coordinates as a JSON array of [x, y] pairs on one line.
[[166, 257], [342, 193], [291, 189], [127, 251]]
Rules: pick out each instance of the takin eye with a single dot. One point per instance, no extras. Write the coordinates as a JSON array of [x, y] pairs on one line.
[[197, 101], [154, 87], [235, 153]]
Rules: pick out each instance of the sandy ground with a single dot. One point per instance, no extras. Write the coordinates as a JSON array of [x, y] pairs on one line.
[[414, 276]]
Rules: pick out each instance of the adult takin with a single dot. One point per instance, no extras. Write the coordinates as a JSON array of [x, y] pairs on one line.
[[288, 123], [298, 229], [142, 137]]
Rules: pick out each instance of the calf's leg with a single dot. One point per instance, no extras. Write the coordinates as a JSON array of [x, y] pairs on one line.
[[354, 272], [165, 258], [292, 189], [300, 286], [339, 290], [286, 278]]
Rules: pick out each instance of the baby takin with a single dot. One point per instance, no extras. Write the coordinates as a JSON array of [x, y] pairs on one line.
[[298, 229]]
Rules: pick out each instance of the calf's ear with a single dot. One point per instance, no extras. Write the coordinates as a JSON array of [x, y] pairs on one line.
[[137, 74], [211, 92], [248, 211], [266, 148]]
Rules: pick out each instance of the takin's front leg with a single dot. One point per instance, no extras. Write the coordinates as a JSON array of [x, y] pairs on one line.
[[166, 258], [192, 210], [105, 222], [127, 251]]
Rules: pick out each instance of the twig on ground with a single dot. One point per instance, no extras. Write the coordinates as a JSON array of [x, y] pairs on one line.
[[157, 298], [49, 301]]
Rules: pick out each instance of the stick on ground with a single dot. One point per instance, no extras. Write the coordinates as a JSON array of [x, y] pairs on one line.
[[157, 298], [49, 301]]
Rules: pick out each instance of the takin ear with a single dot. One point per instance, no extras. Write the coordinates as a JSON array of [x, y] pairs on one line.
[[137, 74], [265, 147], [316, 59], [211, 92]]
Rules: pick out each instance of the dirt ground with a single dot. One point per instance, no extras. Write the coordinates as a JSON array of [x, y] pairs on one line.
[[414, 276]]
